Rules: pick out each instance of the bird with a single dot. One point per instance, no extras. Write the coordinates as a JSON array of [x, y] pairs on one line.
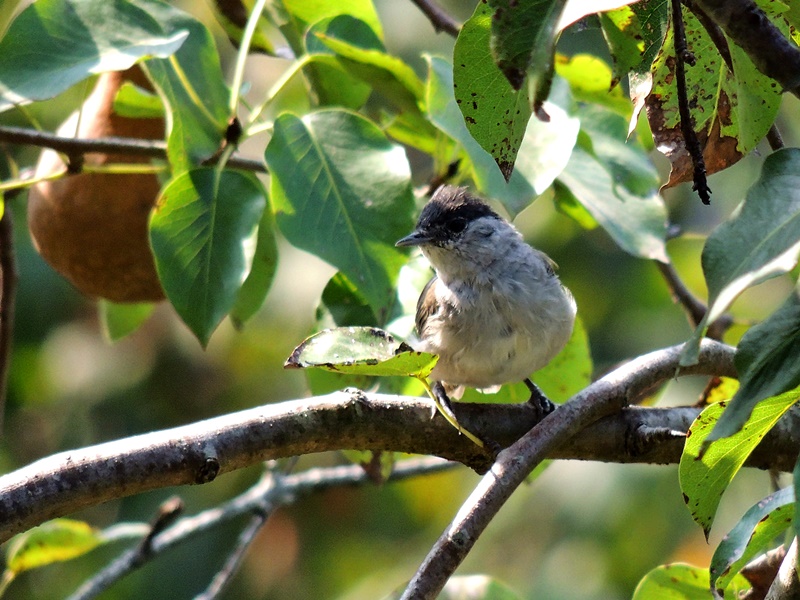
[[495, 310]]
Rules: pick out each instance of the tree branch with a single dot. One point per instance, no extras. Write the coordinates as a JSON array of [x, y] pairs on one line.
[[607, 396], [107, 145], [747, 25], [271, 491], [8, 295], [197, 453], [440, 19]]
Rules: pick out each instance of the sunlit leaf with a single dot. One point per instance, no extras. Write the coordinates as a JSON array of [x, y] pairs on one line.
[[135, 103], [334, 177], [681, 582], [761, 240], [589, 78], [767, 362], [54, 541], [54, 44], [332, 83], [706, 469], [120, 320], [199, 230], [361, 351], [754, 533]]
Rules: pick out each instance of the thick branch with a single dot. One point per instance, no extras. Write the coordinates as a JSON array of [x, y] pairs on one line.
[[108, 145], [196, 453], [605, 397], [747, 25]]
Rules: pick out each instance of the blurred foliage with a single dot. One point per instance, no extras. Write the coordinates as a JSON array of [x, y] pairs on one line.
[[69, 387]]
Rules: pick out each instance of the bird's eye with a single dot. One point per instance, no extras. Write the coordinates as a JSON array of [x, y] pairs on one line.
[[456, 225]]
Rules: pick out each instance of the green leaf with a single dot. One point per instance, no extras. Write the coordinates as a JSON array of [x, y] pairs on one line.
[[361, 351], [681, 582], [496, 114], [761, 240], [120, 320], [54, 541], [563, 377], [590, 79], [766, 360], [753, 534], [54, 44], [342, 191], [476, 587], [543, 155], [262, 272], [305, 12], [523, 38], [388, 75], [192, 87], [330, 80], [135, 103], [199, 231], [796, 485], [343, 305], [232, 17], [638, 224], [706, 469]]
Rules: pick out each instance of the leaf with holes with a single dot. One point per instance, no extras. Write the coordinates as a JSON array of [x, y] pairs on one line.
[[496, 114], [706, 469], [361, 351]]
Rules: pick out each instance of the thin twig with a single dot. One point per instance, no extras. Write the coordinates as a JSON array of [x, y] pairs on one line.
[[234, 560], [693, 147], [694, 308], [8, 294], [604, 397], [271, 491], [440, 19], [108, 145]]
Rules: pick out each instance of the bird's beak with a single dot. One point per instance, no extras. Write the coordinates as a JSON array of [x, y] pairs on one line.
[[415, 238]]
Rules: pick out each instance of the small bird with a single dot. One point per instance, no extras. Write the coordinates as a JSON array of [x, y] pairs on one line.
[[495, 311]]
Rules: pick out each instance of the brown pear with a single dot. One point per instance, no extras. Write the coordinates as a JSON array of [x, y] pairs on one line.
[[92, 227]]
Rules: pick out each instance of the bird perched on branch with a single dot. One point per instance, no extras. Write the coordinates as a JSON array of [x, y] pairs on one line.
[[495, 311]]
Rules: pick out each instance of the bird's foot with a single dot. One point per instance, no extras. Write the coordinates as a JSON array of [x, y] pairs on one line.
[[539, 401]]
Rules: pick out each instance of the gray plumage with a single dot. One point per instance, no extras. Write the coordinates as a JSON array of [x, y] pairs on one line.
[[495, 311]]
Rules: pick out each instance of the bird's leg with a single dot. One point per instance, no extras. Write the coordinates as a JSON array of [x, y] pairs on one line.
[[538, 400], [442, 402]]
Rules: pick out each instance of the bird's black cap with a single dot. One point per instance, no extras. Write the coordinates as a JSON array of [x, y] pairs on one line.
[[446, 215]]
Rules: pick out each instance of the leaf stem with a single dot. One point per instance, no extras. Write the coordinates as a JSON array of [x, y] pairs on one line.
[[241, 58]]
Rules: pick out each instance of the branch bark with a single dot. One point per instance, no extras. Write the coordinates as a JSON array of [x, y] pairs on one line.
[[197, 453], [607, 396], [108, 145]]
